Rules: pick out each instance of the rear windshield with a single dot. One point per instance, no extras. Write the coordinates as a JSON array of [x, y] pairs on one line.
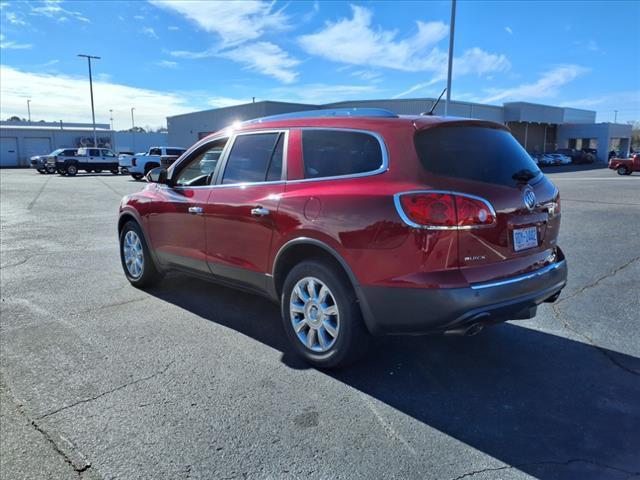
[[474, 153]]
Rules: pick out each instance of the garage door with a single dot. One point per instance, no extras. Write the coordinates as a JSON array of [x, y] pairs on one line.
[[36, 146], [8, 152]]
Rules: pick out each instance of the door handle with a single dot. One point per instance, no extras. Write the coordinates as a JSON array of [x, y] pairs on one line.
[[260, 211], [195, 210]]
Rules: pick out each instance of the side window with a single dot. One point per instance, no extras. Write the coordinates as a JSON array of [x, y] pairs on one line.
[[331, 153], [274, 171], [108, 153], [155, 151], [250, 158], [175, 151], [94, 152], [199, 168]]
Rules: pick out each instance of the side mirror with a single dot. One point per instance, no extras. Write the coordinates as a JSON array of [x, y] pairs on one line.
[[157, 175]]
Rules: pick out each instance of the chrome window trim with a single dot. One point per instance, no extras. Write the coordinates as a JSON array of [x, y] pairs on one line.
[[383, 147], [411, 223], [187, 157], [519, 278], [232, 141]]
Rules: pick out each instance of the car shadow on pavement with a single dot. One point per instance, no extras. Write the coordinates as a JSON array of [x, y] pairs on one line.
[[549, 406]]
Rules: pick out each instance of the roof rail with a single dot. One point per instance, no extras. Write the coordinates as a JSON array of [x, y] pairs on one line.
[[334, 112]]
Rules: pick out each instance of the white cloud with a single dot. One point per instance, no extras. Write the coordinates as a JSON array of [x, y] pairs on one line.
[[235, 22], [473, 61], [173, 28], [12, 45], [355, 41], [149, 32], [262, 57], [167, 64], [265, 58], [627, 103], [508, 30], [367, 75], [62, 97], [315, 93], [13, 19], [138, 17], [53, 9], [220, 102], [546, 87]]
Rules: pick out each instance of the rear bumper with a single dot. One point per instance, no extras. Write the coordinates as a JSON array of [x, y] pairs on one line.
[[390, 310]]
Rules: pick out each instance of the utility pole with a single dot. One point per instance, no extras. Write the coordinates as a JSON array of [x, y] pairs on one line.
[[615, 118], [133, 133], [452, 29], [111, 118], [29, 108], [93, 113], [133, 124]]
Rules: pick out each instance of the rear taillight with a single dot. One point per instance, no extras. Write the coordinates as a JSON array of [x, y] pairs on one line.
[[133, 162], [444, 210]]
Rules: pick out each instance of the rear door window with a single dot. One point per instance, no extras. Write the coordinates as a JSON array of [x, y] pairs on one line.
[[475, 153], [333, 153], [250, 158]]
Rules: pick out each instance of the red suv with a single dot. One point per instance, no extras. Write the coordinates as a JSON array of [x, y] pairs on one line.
[[356, 222]]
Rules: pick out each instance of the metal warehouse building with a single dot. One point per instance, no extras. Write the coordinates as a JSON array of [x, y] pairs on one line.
[[539, 128], [21, 140]]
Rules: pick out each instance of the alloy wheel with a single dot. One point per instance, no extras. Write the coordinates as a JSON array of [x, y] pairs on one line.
[[133, 254], [314, 314]]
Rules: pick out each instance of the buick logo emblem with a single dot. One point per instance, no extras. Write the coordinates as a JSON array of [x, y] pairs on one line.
[[529, 199]]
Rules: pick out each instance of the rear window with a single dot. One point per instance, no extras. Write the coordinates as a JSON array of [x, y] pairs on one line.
[[332, 153], [474, 153]]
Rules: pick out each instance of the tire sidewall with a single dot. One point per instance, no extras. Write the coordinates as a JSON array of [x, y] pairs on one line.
[[622, 170], [71, 170], [348, 309]]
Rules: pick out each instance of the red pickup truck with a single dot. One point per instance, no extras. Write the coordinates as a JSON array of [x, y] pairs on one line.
[[625, 166]]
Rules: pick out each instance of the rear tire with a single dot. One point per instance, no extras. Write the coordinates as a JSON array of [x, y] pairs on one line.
[[71, 170], [136, 258], [137, 176], [115, 171], [325, 328], [622, 171]]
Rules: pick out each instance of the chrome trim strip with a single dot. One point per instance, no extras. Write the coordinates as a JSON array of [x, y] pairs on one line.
[[383, 147], [519, 278], [408, 221]]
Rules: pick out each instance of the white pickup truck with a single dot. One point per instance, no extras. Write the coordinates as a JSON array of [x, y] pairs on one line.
[[139, 165]]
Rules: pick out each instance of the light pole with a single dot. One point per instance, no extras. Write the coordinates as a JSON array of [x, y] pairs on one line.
[[615, 117], [29, 108], [93, 114], [111, 117], [133, 133], [452, 29]]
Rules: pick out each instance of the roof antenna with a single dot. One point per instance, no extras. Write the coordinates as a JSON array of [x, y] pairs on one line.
[[430, 112]]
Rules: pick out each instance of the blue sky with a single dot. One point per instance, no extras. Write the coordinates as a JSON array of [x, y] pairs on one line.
[[169, 57]]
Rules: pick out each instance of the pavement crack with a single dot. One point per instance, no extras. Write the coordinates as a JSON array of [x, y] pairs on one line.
[[597, 281], [63, 447], [119, 194], [113, 390], [33, 202], [545, 463], [565, 323]]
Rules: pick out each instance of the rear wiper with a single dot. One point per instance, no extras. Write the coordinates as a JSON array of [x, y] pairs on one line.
[[523, 175]]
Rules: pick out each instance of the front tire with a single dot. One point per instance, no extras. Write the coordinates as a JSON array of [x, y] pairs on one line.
[[321, 315], [622, 170], [136, 259], [71, 170]]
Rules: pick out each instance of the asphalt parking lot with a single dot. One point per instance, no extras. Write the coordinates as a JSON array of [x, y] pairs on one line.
[[193, 380]]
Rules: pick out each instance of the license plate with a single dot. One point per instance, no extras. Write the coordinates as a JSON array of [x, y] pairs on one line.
[[524, 238]]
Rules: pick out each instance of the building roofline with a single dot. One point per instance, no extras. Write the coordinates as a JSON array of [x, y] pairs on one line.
[[261, 102], [548, 106]]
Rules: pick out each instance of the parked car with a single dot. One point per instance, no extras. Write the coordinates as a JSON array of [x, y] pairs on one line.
[[579, 156], [139, 165], [87, 159], [356, 222], [561, 159], [546, 159], [46, 163], [625, 166]]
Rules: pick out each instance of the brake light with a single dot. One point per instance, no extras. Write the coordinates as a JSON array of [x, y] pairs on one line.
[[444, 210], [133, 161]]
